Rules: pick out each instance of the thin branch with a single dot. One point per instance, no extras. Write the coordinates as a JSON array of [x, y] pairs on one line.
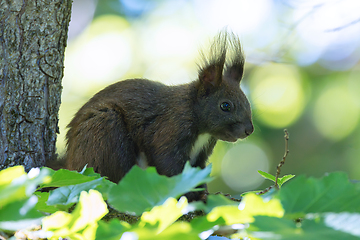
[[265, 190], [344, 26], [286, 136], [276, 185]]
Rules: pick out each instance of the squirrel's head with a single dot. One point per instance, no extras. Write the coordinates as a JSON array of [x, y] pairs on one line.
[[222, 107]]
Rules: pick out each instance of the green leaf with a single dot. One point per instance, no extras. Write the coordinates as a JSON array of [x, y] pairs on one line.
[[212, 202], [41, 204], [141, 190], [82, 222], [112, 230], [177, 231], [332, 193], [69, 195], [251, 205], [190, 178], [284, 179], [267, 175], [281, 180], [159, 223], [20, 214], [16, 185], [9, 174], [266, 227], [91, 173], [10, 193], [165, 215], [64, 177], [202, 224]]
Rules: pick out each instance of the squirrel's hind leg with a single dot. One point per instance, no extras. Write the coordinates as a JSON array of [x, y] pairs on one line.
[[103, 143]]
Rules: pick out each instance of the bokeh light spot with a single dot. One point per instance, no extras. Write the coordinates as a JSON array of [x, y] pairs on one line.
[[235, 14], [354, 86], [336, 113], [102, 54], [106, 57], [240, 165], [168, 40], [277, 94]]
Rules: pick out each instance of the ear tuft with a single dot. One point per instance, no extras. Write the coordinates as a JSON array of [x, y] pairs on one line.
[[234, 67], [211, 71]]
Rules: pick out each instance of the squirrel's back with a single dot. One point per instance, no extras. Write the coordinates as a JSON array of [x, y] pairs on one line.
[[126, 120]]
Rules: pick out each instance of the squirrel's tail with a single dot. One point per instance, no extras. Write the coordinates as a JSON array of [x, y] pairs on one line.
[[57, 163]]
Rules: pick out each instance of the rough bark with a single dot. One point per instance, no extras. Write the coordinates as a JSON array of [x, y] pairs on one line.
[[33, 35]]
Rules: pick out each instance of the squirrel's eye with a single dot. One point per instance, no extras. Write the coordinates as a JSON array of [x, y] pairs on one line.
[[225, 106]]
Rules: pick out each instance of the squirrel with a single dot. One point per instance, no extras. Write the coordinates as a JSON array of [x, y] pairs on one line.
[[144, 122]]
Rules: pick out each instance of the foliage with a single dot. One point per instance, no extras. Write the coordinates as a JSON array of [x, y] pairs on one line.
[[304, 208], [143, 191], [281, 180]]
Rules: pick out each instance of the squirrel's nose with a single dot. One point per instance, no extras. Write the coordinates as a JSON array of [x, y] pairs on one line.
[[249, 128]]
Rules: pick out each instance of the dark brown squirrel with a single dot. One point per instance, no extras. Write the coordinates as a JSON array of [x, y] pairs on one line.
[[147, 123]]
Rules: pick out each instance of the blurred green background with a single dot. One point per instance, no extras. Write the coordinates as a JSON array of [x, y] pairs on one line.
[[302, 73]]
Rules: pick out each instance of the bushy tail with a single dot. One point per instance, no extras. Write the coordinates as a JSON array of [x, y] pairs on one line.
[[57, 163]]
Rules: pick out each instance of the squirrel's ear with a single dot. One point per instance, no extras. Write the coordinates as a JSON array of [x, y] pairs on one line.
[[234, 67], [211, 76], [234, 72]]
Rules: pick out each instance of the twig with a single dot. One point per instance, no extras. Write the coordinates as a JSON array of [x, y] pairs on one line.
[[265, 190], [344, 26], [276, 185], [286, 136]]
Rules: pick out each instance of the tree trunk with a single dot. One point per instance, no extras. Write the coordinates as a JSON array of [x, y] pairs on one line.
[[33, 35]]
